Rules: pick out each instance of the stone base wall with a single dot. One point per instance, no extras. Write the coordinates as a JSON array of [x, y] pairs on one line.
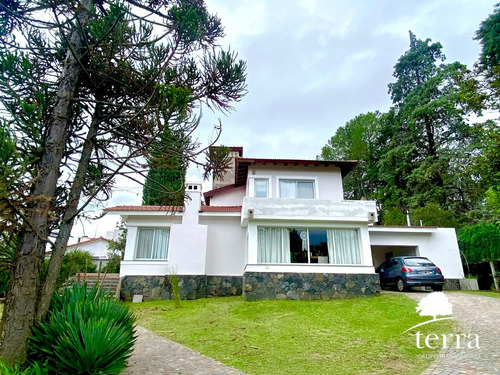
[[190, 286], [451, 284], [308, 286]]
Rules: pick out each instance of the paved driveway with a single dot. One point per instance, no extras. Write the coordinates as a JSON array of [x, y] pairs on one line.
[[477, 315], [155, 355]]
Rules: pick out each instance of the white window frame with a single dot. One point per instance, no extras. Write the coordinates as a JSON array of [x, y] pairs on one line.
[[155, 228], [307, 228], [314, 180], [251, 186]]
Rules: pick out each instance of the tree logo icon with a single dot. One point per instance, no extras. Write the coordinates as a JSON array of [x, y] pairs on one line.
[[434, 304]]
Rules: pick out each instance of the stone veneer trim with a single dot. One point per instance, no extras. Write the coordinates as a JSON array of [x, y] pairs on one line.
[[308, 286], [190, 286]]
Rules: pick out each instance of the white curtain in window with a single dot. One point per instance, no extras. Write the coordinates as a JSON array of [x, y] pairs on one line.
[[273, 245], [305, 189], [346, 243], [285, 235], [145, 243], [287, 189], [160, 249], [330, 242]]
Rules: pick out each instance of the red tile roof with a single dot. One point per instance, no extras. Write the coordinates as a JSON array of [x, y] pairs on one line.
[[90, 240], [242, 165], [146, 208], [175, 208], [209, 194], [220, 209]]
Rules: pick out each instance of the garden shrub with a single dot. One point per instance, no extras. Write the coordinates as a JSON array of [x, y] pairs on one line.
[[75, 261], [34, 369], [84, 332]]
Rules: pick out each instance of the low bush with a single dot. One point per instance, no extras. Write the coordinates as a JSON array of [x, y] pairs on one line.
[[73, 262], [84, 332], [34, 369]]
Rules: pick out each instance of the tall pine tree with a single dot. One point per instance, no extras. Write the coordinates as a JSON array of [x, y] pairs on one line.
[[164, 185]]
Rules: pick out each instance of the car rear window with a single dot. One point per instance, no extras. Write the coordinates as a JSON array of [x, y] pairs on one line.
[[415, 262]]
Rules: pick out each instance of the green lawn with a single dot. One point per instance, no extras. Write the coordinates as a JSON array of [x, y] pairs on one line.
[[342, 336]]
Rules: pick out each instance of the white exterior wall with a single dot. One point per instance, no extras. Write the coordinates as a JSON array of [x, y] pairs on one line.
[[308, 210], [188, 240], [226, 245], [229, 198], [98, 248], [438, 244], [130, 266], [328, 180]]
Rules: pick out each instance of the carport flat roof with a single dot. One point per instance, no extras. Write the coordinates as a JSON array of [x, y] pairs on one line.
[[401, 229]]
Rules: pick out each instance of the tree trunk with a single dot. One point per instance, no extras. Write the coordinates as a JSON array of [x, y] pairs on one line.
[[68, 218], [22, 298]]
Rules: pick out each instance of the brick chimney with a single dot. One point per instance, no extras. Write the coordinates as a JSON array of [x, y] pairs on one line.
[[229, 176]]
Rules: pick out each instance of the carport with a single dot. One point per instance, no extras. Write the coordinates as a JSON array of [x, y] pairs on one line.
[[383, 252], [438, 244]]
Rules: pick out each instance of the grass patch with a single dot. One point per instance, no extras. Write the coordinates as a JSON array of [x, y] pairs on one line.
[[348, 336]]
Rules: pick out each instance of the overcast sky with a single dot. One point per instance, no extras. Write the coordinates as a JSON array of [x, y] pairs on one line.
[[314, 65]]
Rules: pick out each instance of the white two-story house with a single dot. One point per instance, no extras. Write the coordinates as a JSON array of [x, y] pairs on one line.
[[271, 228]]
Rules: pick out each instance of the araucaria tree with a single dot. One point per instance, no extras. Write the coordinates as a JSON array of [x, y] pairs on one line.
[[86, 88]]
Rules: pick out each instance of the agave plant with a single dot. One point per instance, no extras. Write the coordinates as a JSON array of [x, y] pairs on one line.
[[84, 332]]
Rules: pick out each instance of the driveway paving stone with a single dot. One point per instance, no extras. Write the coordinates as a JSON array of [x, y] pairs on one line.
[[477, 315], [155, 355]]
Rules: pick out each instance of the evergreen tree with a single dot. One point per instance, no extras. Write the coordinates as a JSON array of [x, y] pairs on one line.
[[356, 140], [86, 88], [164, 184], [425, 137]]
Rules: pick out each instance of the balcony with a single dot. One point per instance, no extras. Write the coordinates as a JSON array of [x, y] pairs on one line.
[[307, 210]]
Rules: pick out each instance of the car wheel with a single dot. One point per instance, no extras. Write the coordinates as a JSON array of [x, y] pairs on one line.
[[437, 288], [400, 285]]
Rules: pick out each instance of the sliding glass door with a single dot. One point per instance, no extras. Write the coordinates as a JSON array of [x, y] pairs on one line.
[[308, 245]]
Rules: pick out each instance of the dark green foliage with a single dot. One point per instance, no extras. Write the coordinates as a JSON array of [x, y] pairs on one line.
[[423, 155], [176, 295], [84, 333], [4, 282], [393, 216], [415, 67], [356, 141], [433, 215], [34, 369], [113, 265], [116, 249], [489, 37], [164, 184], [479, 242], [73, 262], [425, 136]]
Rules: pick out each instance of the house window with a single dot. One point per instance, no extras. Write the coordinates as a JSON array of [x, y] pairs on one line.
[[308, 245], [152, 243], [297, 189], [261, 187]]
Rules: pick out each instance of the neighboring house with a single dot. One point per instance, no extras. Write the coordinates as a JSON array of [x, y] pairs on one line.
[[97, 247], [271, 228]]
